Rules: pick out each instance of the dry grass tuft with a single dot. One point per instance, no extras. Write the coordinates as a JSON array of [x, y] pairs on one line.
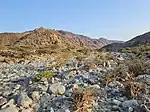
[[83, 99], [133, 89]]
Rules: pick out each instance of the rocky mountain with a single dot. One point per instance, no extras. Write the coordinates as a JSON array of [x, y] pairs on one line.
[[42, 37], [143, 39], [86, 41]]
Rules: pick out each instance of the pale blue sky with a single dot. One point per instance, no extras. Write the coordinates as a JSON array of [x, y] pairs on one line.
[[113, 19]]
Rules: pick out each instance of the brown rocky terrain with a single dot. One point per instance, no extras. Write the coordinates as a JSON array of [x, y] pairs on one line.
[[86, 41], [9, 38], [42, 37], [42, 42]]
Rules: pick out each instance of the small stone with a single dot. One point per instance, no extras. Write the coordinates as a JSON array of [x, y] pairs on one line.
[[95, 86], [75, 86], [52, 110], [67, 110], [17, 87], [130, 109], [61, 89]]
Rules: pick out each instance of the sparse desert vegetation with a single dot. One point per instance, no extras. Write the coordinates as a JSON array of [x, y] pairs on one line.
[[70, 76]]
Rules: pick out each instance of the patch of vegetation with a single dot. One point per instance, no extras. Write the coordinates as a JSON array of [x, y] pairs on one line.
[[103, 57], [127, 70], [45, 74], [139, 50], [62, 59], [83, 99]]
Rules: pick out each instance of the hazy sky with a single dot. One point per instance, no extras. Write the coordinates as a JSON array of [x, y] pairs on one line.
[[113, 19]]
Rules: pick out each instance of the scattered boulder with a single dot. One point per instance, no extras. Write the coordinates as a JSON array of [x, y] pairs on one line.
[[128, 104], [57, 88]]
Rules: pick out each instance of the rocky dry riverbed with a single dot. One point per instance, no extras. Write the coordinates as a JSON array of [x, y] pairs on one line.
[[74, 87]]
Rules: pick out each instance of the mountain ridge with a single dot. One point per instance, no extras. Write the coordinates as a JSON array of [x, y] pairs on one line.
[[143, 39], [42, 37]]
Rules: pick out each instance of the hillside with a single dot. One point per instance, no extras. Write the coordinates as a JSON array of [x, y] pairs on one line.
[[143, 39], [42, 37], [9, 38], [81, 40]]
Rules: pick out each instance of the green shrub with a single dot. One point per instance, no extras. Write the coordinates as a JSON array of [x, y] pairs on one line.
[[45, 74]]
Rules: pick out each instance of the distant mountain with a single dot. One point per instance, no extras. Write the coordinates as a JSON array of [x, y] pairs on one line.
[[143, 39], [42, 37]]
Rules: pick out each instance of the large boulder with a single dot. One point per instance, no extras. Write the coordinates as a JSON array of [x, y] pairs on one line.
[[57, 88]]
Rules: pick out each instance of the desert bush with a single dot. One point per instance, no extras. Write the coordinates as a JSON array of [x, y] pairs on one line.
[[133, 89], [103, 57], [91, 66], [45, 74], [139, 50], [62, 59], [131, 68], [83, 99]]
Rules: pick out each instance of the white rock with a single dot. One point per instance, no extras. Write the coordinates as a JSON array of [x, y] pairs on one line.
[[67, 110], [57, 88], [52, 110], [130, 109], [35, 96], [17, 86], [95, 86]]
